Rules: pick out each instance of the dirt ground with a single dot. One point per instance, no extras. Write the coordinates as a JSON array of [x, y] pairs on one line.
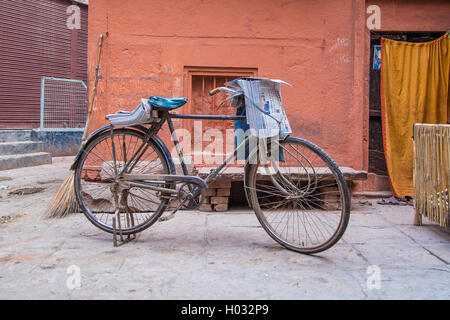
[[209, 255]]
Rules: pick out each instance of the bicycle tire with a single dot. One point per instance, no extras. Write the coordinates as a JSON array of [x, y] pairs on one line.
[[252, 190], [162, 154]]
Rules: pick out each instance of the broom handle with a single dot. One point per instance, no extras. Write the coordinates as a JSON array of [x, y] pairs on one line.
[[94, 90]]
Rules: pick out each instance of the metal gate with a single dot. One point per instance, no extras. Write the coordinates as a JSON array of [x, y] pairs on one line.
[[63, 104]]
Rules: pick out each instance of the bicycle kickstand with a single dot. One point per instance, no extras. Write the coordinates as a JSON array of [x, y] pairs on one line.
[[117, 223]]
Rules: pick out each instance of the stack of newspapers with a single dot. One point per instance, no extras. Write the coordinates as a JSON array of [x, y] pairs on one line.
[[263, 106]]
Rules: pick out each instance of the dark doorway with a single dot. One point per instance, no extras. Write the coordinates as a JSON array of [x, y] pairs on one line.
[[377, 162]]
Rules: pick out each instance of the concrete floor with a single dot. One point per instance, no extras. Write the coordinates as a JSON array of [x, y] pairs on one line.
[[200, 255]]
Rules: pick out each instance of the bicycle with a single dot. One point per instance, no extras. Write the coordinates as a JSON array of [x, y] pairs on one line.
[[125, 175]]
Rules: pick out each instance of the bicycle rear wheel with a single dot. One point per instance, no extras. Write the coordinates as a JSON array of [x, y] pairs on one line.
[[96, 188], [303, 202]]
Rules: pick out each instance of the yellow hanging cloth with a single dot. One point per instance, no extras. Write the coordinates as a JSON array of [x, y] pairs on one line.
[[414, 89]]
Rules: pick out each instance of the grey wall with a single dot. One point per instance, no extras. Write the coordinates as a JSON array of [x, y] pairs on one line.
[[60, 143]]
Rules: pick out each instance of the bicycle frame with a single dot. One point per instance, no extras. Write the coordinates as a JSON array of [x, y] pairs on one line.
[[216, 171], [151, 180], [129, 179]]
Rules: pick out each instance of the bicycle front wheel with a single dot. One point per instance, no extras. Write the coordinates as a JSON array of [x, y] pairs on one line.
[[302, 201]]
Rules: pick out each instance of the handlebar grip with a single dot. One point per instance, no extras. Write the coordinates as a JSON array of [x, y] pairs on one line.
[[214, 91]]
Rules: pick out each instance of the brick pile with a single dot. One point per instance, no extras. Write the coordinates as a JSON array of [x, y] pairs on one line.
[[217, 196]]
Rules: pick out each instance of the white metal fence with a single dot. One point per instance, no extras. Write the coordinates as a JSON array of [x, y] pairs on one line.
[[63, 104]]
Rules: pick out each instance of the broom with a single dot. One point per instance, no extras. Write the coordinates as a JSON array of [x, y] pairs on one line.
[[65, 201]]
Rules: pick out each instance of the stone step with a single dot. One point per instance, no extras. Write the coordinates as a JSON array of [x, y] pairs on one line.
[[20, 147], [24, 160], [17, 135], [373, 194], [237, 173]]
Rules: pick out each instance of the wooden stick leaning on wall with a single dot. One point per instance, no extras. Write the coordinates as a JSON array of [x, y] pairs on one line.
[[65, 202], [94, 90]]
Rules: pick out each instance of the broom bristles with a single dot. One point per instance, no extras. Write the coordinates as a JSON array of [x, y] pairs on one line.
[[64, 202]]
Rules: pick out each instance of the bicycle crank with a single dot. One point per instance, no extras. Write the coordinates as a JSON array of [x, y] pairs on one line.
[[190, 196]]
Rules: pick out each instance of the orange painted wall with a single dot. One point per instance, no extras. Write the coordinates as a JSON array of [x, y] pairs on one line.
[[414, 15], [320, 47]]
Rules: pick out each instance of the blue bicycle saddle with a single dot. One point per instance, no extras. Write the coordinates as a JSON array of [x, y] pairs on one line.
[[167, 103]]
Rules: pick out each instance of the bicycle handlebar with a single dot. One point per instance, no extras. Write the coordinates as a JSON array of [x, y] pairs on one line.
[[214, 91]]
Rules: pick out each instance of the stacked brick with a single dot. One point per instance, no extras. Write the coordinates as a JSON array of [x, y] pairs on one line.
[[217, 196]]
